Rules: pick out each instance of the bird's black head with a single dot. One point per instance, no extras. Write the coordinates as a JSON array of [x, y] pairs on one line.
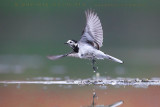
[[73, 44], [74, 41]]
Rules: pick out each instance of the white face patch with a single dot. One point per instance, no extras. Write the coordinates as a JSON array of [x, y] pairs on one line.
[[70, 42]]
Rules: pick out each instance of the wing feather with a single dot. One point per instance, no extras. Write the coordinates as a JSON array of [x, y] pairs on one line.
[[55, 57], [93, 31]]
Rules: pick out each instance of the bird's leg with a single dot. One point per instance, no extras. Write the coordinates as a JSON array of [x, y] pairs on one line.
[[93, 64]]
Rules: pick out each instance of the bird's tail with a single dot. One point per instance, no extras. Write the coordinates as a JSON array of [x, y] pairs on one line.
[[113, 59]]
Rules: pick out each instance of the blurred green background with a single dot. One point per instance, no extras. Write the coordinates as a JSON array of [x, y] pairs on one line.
[[32, 29]]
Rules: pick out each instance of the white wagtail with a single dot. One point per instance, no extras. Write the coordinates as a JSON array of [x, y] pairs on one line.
[[88, 46]]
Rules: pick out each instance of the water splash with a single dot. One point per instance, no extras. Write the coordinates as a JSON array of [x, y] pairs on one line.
[[137, 83]]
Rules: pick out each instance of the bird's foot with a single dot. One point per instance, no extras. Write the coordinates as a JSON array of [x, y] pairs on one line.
[[94, 67]]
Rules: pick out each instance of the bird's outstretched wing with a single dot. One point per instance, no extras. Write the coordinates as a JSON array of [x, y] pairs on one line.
[[93, 31], [55, 57]]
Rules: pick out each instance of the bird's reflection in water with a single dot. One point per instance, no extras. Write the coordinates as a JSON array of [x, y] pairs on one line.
[[116, 104]]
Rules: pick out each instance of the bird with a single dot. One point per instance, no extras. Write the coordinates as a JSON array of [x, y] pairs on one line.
[[116, 104], [88, 47]]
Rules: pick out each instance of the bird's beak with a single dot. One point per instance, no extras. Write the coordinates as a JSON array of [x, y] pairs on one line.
[[65, 43]]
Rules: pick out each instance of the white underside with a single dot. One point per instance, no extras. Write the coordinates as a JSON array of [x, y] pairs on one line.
[[88, 52]]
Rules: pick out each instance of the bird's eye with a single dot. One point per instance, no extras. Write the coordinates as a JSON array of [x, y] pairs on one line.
[[70, 42]]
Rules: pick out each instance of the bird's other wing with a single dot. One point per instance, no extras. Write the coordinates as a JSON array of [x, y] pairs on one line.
[[73, 55], [93, 31], [55, 57]]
